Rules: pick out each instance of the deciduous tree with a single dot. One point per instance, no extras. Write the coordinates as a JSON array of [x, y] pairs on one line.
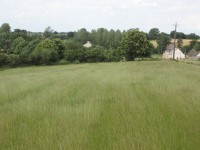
[[135, 44], [153, 33]]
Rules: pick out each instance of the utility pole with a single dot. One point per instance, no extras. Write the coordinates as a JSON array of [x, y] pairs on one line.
[[174, 41]]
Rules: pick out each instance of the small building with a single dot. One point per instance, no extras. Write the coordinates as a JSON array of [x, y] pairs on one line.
[[198, 56], [193, 54], [169, 53], [88, 44]]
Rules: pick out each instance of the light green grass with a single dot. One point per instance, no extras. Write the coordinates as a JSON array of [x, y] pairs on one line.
[[131, 105], [191, 61]]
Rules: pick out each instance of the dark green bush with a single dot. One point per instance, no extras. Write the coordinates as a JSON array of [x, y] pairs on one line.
[[3, 59]]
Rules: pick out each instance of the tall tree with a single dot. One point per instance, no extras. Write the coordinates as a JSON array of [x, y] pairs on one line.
[[5, 28], [193, 36], [45, 53], [48, 32], [178, 35], [82, 35], [197, 46], [135, 44], [163, 41], [180, 43], [153, 33]]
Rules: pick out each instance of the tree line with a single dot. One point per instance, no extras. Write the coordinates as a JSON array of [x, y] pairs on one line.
[[20, 47], [164, 39], [154, 33]]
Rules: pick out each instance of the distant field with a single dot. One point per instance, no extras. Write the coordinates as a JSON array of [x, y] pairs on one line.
[[185, 42], [149, 105]]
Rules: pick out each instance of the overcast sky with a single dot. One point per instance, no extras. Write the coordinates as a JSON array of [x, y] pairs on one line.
[[70, 15]]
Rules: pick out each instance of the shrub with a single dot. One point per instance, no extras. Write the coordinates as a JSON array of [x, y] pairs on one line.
[[13, 60], [73, 55], [113, 55], [3, 59], [44, 56], [63, 62], [74, 52], [96, 54], [45, 53]]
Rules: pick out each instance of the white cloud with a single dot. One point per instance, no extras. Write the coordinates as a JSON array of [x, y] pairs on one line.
[[123, 14]]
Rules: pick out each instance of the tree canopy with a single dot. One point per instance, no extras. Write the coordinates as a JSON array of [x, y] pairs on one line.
[[153, 33], [163, 41], [22, 47], [135, 44]]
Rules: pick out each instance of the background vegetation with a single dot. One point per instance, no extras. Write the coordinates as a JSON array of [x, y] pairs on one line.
[[21, 47]]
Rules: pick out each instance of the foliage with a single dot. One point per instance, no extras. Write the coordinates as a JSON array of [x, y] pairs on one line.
[[18, 45], [45, 53], [59, 47], [186, 48], [153, 34], [5, 41], [20, 33], [96, 54], [193, 36], [179, 35], [180, 43], [63, 62], [74, 55], [48, 33], [70, 34], [135, 44], [5, 28], [163, 41], [74, 52], [197, 46], [50, 47], [82, 36], [3, 59], [105, 38], [13, 60], [194, 44], [44, 56], [25, 54], [113, 55]]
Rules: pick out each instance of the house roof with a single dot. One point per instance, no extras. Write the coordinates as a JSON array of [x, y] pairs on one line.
[[170, 48], [192, 53]]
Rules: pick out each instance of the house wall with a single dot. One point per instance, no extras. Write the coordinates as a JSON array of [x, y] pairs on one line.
[[179, 54], [169, 55]]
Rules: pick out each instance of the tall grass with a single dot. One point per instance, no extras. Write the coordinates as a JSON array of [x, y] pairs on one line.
[[130, 105]]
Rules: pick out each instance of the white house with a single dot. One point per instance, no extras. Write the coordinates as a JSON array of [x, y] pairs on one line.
[[168, 53], [198, 56], [88, 44]]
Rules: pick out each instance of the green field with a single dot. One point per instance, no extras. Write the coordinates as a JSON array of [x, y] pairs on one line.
[[142, 105]]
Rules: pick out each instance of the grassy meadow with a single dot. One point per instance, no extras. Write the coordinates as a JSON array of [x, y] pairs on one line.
[[142, 105]]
